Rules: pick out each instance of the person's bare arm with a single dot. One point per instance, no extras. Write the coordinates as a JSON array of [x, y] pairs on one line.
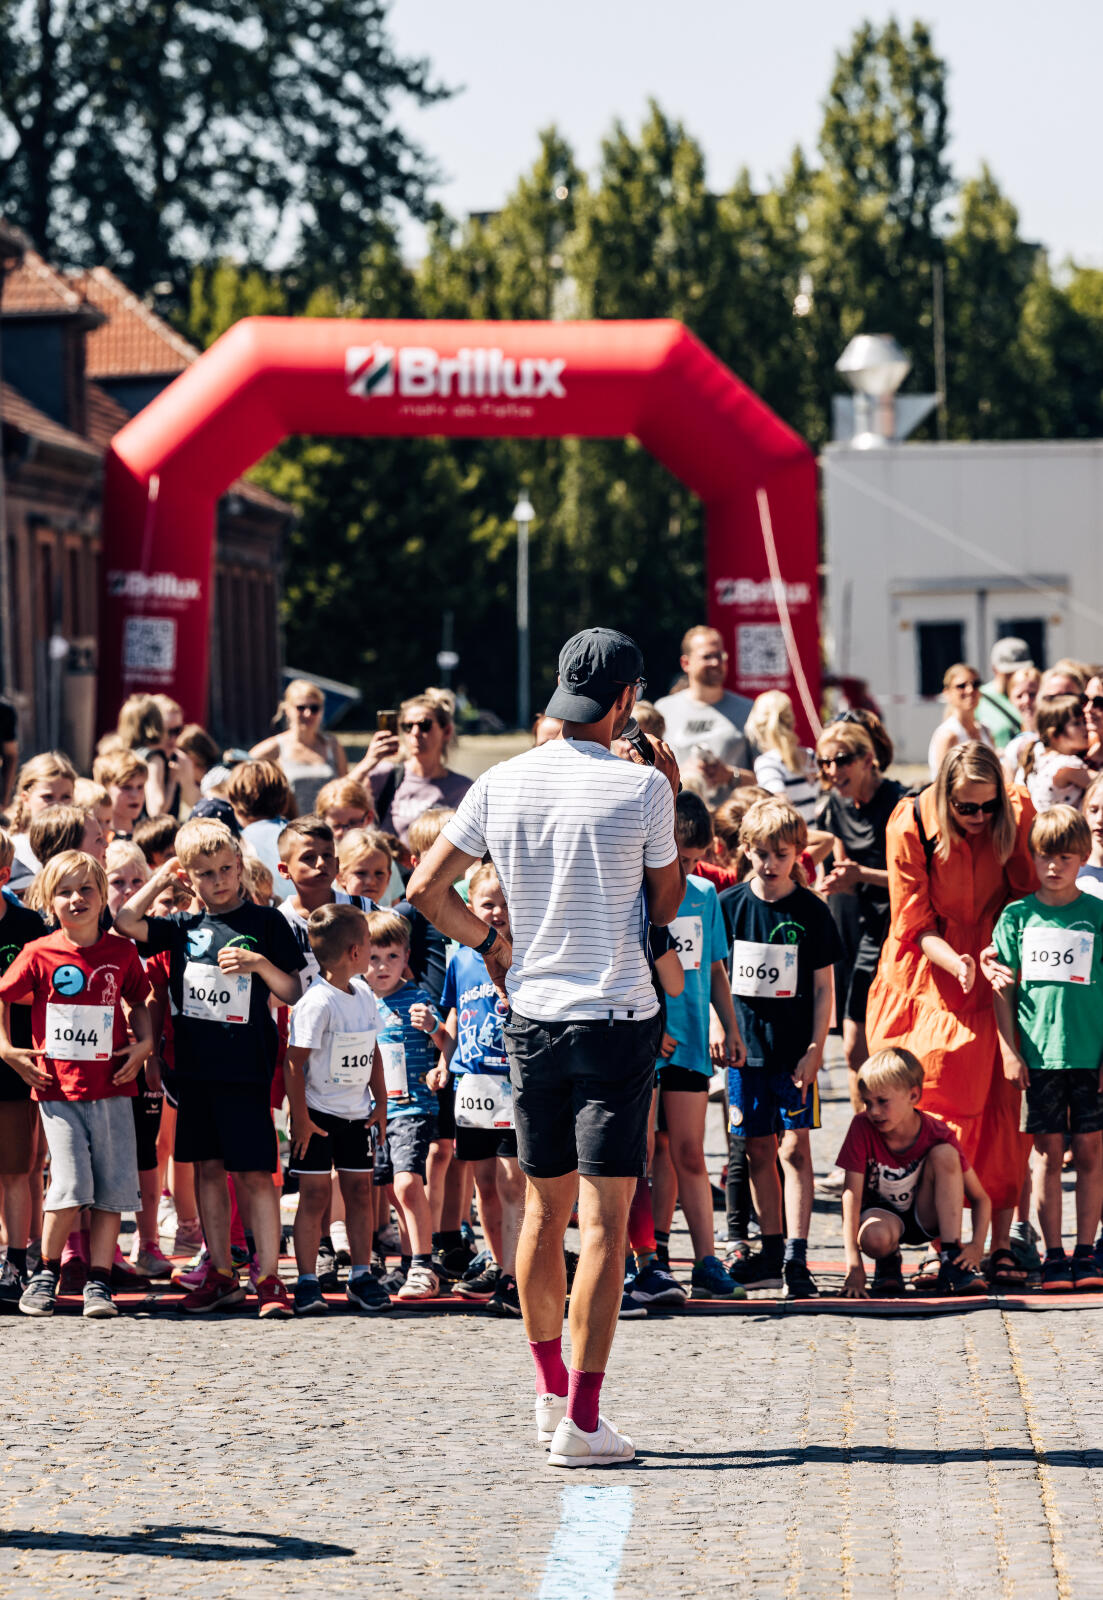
[[286, 986], [431, 890], [854, 1284], [1015, 1069], [670, 973], [266, 750], [130, 920], [943, 955], [981, 1207], [666, 889]]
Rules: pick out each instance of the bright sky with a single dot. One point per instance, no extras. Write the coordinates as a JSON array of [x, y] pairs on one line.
[[748, 81]]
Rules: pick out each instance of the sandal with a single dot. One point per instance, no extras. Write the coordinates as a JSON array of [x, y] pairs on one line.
[[1003, 1271], [925, 1278]]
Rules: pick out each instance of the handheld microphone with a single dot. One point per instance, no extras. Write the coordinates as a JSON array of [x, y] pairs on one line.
[[634, 735]]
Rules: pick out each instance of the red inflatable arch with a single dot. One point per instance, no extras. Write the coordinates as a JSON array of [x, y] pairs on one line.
[[271, 376]]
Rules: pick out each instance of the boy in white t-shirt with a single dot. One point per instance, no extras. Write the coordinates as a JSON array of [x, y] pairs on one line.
[[335, 1085]]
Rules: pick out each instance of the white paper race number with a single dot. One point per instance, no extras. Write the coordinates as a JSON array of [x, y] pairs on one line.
[[393, 1052], [688, 936], [350, 1059], [211, 995], [764, 971], [484, 1102], [1057, 955], [79, 1033]]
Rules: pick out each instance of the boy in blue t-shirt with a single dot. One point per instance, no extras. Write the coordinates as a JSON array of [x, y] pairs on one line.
[[485, 1134], [784, 948], [684, 1078], [410, 1028]]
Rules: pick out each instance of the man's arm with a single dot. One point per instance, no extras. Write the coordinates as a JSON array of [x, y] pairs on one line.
[[666, 888], [431, 890]]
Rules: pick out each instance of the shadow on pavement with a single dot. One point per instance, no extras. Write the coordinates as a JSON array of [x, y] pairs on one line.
[[178, 1540], [881, 1455]]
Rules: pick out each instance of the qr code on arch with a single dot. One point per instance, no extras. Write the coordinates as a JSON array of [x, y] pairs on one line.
[[760, 652], [149, 644]]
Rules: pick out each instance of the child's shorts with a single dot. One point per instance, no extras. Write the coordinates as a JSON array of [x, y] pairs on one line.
[[93, 1160], [146, 1109], [762, 1101], [227, 1122], [914, 1231], [406, 1147], [481, 1144], [1063, 1100], [345, 1143]]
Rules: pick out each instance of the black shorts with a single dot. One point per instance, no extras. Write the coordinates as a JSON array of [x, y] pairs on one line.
[[345, 1144], [582, 1094], [683, 1080], [914, 1231], [147, 1124], [1063, 1100], [406, 1147], [480, 1144], [227, 1122], [446, 1112], [857, 994]]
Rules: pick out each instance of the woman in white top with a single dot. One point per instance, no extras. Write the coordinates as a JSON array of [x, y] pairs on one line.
[[310, 758], [783, 766], [959, 725], [1022, 691]]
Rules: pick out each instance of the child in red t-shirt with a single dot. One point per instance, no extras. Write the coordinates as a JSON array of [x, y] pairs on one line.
[[91, 1032], [906, 1182]]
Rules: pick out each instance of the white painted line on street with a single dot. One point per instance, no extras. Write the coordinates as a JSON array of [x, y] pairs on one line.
[[585, 1556]]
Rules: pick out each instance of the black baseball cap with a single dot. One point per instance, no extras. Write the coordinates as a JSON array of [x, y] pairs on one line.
[[218, 810], [594, 667]]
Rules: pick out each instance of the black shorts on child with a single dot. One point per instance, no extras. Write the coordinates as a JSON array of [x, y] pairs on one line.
[[480, 1144], [147, 1123], [406, 1147], [914, 1231], [227, 1122], [345, 1144], [1065, 1100]]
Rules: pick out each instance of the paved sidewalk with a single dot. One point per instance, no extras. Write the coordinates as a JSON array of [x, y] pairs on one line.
[[788, 1456]]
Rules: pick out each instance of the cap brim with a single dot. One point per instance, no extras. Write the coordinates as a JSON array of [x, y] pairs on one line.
[[576, 707]]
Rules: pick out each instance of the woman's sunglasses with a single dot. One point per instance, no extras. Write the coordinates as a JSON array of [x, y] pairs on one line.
[[966, 683], [973, 808], [424, 725], [823, 762], [1095, 701], [309, 708]]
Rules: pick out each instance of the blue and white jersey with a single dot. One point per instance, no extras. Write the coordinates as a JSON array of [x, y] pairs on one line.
[[480, 1013]]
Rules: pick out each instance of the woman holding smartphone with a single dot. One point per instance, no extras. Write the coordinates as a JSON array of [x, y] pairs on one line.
[[402, 790]]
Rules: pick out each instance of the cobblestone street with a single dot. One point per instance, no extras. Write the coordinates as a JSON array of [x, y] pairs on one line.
[[778, 1455]]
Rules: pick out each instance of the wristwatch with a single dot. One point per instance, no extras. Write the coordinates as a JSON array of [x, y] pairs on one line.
[[488, 943]]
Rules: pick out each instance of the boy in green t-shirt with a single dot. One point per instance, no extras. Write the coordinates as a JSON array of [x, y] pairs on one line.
[[1051, 1026]]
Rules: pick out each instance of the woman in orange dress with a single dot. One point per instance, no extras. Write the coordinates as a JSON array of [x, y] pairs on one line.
[[956, 856]]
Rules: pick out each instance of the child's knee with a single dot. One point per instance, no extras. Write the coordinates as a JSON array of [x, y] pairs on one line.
[[795, 1150], [1087, 1151], [689, 1157], [877, 1238]]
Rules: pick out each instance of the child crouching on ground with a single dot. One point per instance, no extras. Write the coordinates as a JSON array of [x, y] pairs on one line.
[[906, 1183]]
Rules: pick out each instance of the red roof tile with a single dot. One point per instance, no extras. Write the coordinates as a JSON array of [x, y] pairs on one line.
[[134, 341], [34, 288], [29, 420]]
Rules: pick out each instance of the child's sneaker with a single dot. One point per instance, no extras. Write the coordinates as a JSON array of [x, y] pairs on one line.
[[955, 1280], [421, 1283], [367, 1293], [605, 1447], [1086, 1272], [327, 1268], [309, 1299], [1057, 1274], [394, 1280], [710, 1281], [757, 1272], [40, 1296], [218, 1292], [799, 1282], [654, 1286], [505, 1301], [193, 1273], [482, 1285], [98, 1301], [151, 1262], [550, 1410], [631, 1309], [189, 1238], [1024, 1246], [273, 1299], [888, 1278], [11, 1287]]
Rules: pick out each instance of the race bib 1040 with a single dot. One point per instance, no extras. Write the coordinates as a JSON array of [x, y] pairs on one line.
[[484, 1101], [688, 935], [764, 971], [79, 1033], [211, 995], [1057, 955]]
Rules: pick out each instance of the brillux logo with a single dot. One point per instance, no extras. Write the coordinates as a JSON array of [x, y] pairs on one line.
[[152, 585], [419, 373]]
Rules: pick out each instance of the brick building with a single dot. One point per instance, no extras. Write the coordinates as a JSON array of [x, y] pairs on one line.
[[79, 356]]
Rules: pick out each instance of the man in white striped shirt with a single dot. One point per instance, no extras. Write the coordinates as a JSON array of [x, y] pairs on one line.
[[584, 847]]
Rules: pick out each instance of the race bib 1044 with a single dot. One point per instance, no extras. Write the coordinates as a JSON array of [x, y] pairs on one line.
[[350, 1059], [211, 995], [1057, 955], [393, 1052], [484, 1101], [764, 971], [79, 1033], [688, 936]]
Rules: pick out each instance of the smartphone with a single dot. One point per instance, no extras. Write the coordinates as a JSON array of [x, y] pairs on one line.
[[386, 721]]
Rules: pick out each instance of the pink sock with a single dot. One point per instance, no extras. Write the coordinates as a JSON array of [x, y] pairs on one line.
[[582, 1399], [551, 1374]]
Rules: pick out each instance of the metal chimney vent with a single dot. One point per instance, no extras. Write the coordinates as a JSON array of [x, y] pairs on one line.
[[875, 366]]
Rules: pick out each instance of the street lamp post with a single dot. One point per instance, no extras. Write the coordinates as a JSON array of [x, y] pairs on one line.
[[523, 515]]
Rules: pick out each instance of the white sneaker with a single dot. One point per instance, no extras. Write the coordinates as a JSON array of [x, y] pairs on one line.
[[550, 1411], [421, 1284], [605, 1447]]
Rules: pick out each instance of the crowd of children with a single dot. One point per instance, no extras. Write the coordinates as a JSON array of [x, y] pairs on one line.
[[210, 1002]]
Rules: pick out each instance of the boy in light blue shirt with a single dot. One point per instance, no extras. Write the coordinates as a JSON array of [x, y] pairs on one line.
[[701, 940]]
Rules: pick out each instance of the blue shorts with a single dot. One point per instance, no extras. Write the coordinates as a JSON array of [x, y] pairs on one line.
[[762, 1101]]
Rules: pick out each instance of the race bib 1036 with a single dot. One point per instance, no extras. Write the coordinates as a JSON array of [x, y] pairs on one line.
[[1057, 955]]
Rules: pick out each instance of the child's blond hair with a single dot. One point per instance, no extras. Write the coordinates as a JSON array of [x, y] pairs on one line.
[[74, 862], [125, 853], [771, 725], [204, 836], [1059, 829], [773, 822], [118, 767], [343, 792], [424, 831], [387, 928], [482, 874], [333, 929], [256, 878], [891, 1069], [88, 794], [43, 768], [361, 842]]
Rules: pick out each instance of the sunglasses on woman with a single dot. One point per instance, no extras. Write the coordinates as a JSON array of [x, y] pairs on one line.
[[966, 683], [423, 725], [823, 762], [973, 808], [1095, 701], [307, 708]]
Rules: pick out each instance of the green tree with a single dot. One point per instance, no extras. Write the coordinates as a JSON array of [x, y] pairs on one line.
[[152, 134]]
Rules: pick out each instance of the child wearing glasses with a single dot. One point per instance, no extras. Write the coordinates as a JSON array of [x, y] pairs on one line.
[[959, 725], [309, 756], [1054, 769]]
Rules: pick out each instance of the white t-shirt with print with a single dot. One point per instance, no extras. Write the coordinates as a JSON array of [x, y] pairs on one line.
[[319, 1022]]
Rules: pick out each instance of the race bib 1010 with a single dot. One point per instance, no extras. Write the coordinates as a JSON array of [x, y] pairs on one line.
[[1057, 955], [484, 1101], [764, 971]]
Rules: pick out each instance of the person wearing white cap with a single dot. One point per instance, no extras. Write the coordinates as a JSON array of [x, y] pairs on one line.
[[995, 710]]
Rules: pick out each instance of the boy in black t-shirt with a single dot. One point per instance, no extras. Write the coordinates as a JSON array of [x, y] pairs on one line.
[[784, 947], [18, 1113], [224, 963]]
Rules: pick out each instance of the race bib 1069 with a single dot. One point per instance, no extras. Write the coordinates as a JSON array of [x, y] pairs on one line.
[[1057, 955], [764, 971], [688, 936], [79, 1033], [484, 1101], [211, 995]]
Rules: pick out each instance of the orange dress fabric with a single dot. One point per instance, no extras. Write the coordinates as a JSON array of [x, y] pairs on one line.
[[919, 1007]]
